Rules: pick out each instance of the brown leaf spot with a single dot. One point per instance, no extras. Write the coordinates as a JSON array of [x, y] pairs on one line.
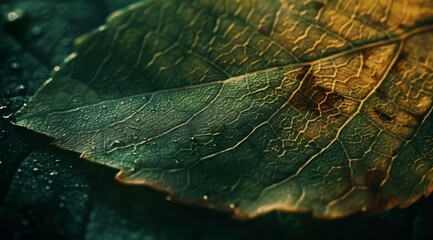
[[401, 25], [366, 53], [374, 179], [383, 116], [315, 5], [379, 202], [315, 98], [399, 66], [422, 59], [381, 93]]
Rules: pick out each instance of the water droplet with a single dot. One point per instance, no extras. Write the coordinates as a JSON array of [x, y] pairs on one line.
[[144, 98], [15, 15], [168, 198], [21, 89], [36, 31], [1, 162], [104, 107], [16, 22], [176, 162], [205, 197], [15, 68], [35, 169], [137, 119], [5, 112], [57, 160], [232, 205], [53, 173], [47, 187], [56, 69]]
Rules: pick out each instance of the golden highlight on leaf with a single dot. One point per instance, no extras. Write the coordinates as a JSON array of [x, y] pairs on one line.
[[254, 105]]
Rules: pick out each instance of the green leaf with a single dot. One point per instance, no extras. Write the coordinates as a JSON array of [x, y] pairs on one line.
[[254, 106], [42, 205]]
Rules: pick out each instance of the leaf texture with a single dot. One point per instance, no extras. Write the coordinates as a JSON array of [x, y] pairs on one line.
[[254, 106]]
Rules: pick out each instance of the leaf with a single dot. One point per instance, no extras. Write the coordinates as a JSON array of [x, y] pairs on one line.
[[254, 106], [96, 206]]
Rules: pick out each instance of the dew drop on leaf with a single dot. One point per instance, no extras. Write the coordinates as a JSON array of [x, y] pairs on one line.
[[16, 68], [15, 15], [21, 89], [25, 222], [36, 31]]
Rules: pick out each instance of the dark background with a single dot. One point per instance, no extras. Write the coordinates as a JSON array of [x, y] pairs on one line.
[[46, 193]]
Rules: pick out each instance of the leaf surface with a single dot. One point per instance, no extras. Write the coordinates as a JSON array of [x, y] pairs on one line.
[[253, 106]]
